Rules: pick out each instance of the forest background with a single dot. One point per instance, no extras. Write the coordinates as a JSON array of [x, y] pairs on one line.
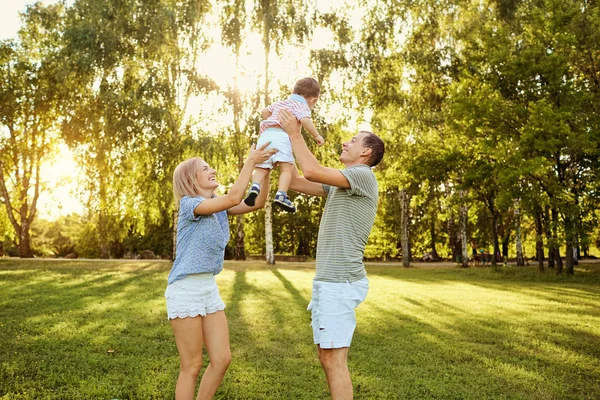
[[490, 111]]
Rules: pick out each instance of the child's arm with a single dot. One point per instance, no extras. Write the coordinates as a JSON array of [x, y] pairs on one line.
[[265, 113], [310, 127]]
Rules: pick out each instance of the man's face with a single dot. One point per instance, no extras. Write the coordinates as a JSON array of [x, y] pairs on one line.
[[353, 149]]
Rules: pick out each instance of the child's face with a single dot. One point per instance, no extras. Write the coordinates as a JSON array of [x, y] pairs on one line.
[[312, 101]]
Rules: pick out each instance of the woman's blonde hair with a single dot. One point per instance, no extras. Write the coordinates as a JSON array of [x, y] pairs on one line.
[[184, 179]]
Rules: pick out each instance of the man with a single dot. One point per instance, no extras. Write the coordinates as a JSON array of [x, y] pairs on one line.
[[340, 282]]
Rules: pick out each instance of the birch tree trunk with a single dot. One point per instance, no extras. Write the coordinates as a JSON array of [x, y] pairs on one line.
[[269, 253], [405, 218]]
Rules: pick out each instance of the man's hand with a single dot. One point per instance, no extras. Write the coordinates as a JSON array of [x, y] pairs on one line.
[[289, 123]]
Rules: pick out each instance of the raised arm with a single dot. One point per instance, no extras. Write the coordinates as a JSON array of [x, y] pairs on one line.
[[312, 170], [242, 208], [310, 128], [265, 113], [237, 191], [303, 185]]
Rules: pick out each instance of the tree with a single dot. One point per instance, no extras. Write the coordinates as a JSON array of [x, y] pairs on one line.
[[132, 73], [277, 22], [28, 114]]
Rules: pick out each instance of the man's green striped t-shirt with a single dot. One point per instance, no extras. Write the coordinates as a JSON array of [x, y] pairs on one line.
[[345, 226]]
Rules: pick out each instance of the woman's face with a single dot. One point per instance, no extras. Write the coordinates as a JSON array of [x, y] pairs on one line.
[[206, 177]]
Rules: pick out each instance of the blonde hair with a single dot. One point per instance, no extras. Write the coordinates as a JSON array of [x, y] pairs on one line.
[[184, 179]]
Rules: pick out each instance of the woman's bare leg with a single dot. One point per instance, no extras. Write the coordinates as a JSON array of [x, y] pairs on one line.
[[188, 337], [216, 340]]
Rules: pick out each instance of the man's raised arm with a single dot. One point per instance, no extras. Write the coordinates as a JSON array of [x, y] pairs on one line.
[[312, 170]]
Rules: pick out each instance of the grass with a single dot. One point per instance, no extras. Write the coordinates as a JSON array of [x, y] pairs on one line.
[[97, 330]]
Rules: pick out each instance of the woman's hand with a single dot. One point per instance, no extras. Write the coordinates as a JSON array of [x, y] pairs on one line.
[[260, 155]]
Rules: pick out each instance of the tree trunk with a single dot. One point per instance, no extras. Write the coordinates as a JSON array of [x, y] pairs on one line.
[[269, 253], [570, 248], [453, 238], [175, 218], [569, 259], [25, 250], [405, 220], [539, 241], [240, 252], [558, 260], [102, 236], [576, 253], [550, 237], [557, 257], [495, 238], [434, 253], [518, 239], [463, 236]]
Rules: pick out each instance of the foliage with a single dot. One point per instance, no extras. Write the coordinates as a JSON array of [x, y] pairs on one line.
[[482, 105], [29, 82]]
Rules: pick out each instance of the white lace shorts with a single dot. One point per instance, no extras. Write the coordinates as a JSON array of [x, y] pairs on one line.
[[194, 295]]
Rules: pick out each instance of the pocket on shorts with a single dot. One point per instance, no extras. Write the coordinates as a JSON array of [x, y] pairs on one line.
[[356, 292]]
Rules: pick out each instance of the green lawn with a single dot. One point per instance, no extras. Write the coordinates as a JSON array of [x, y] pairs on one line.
[[423, 333]]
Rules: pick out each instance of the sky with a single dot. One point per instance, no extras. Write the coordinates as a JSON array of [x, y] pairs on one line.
[[9, 18]]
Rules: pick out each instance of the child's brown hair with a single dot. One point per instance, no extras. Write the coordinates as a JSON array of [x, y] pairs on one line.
[[307, 88]]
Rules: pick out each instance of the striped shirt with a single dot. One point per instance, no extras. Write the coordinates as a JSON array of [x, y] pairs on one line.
[[345, 226], [295, 104]]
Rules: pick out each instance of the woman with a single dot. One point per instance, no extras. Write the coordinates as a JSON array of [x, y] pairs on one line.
[[194, 305]]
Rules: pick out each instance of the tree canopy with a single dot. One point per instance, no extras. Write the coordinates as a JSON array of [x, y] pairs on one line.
[[489, 111]]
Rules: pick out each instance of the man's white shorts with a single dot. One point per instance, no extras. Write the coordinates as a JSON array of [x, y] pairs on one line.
[[332, 307]]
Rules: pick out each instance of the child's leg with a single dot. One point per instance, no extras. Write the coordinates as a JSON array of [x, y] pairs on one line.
[[285, 178], [257, 178]]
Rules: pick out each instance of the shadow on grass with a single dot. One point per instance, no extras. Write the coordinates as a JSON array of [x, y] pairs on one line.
[[469, 357], [273, 358], [56, 327], [59, 323]]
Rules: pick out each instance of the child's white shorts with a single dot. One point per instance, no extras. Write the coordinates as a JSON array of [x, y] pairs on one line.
[[332, 310], [280, 141], [194, 295]]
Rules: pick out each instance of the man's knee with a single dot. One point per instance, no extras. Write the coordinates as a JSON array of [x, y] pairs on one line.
[[332, 359]]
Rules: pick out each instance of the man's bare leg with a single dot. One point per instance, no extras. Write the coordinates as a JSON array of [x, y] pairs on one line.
[[335, 365]]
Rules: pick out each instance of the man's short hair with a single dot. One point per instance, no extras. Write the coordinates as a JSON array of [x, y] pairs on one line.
[[307, 88], [374, 142]]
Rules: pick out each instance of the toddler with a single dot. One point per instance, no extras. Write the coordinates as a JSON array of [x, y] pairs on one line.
[[304, 97]]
